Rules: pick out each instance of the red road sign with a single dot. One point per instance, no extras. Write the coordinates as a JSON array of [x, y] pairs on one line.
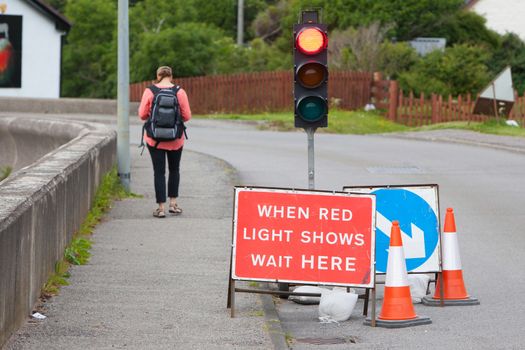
[[304, 237]]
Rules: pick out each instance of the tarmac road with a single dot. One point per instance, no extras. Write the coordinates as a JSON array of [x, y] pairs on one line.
[[480, 176]]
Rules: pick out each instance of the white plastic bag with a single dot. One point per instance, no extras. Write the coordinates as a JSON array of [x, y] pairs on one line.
[[418, 286], [301, 299], [336, 305]]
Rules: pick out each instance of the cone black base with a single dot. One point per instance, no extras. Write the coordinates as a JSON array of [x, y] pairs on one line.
[[430, 301], [418, 321]]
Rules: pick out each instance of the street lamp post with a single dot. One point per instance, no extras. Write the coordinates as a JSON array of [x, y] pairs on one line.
[[123, 157]]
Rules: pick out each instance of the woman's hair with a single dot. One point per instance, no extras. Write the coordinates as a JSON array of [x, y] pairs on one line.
[[163, 72]]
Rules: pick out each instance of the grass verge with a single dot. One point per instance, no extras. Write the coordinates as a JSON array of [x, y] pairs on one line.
[[491, 126], [5, 172], [361, 122], [77, 253], [339, 122]]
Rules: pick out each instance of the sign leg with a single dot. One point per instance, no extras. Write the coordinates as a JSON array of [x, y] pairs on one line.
[[365, 307], [373, 321], [441, 290], [232, 298], [228, 303], [283, 287]]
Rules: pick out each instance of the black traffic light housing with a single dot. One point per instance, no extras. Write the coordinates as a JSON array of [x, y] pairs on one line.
[[310, 72]]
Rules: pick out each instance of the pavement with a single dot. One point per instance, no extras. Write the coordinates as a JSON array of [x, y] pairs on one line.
[[156, 283], [162, 283]]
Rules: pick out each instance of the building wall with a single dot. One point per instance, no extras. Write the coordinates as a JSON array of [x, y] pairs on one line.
[[503, 15], [41, 52]]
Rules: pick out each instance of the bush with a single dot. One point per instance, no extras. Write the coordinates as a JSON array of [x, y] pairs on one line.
[[395, 59], [460, 69]]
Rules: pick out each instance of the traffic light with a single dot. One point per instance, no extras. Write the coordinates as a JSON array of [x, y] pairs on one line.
[[310, 72]]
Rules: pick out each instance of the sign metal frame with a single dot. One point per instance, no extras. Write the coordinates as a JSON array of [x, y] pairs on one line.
[[370, 240], [438, 274], [369, 189]]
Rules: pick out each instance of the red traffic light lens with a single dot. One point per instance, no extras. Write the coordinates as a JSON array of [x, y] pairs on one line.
[[312, 74], [311, 41]]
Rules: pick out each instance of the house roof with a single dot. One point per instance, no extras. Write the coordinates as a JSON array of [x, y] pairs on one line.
[[61, 22], [470, 3]]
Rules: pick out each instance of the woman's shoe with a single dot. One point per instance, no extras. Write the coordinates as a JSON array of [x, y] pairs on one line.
[[175, 209], [159, 213]]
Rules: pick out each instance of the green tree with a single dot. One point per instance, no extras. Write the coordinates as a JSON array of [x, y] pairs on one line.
[[510, 52], [191, 49], [89, 58], [268, 24], [357, 49], [460, 69], [153, 16], [223, 14], [405, 19], [261, 56], [408, 17], [463, 27], [197, 37]]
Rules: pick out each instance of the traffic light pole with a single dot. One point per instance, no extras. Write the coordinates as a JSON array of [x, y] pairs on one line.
[[311, 158]]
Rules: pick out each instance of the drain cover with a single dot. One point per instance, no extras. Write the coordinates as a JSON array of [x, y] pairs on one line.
[[326, 341]]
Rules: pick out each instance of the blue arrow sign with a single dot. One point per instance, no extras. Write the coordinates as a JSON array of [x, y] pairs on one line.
[[418, 223]]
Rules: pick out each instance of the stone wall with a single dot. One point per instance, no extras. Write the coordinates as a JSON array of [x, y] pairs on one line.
[[61, 105], [44, 203]]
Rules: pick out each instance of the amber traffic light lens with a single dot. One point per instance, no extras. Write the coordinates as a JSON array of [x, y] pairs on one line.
[[311, 41], [311, 75]]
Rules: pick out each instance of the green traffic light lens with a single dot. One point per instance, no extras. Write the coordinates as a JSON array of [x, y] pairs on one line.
[[312, 74], [312, 108]]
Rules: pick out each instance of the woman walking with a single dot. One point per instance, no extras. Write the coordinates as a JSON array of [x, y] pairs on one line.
[[170, 150]]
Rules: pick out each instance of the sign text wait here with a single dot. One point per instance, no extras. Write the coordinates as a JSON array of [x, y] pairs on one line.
[[303, 236]]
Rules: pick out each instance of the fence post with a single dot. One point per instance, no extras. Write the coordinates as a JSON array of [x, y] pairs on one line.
[[435, 113], [393, 96]]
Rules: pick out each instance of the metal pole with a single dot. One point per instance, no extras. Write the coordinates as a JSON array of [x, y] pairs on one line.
[[311, 166], [240, 22], [123, 158], [495, 105]]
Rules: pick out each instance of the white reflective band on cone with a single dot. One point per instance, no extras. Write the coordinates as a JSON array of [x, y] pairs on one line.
[[396, 270], [451, 259]]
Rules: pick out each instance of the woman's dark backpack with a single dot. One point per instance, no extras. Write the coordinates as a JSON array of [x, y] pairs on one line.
[[165, 120]]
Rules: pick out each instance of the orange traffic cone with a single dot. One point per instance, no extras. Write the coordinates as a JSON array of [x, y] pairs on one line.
[[397, 310], [454, 291]]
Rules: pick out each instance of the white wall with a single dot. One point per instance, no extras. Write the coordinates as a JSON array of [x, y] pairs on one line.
[[503, 15], [40, 53]]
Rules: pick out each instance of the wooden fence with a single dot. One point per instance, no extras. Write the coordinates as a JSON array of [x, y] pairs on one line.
[[263, 92], [419, 110], [273, 91]]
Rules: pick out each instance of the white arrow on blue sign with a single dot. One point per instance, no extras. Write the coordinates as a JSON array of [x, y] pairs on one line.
[[416, 208]]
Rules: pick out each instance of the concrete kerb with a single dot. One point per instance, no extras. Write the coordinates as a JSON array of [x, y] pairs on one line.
[[275, 329], [471, 138], [40, 206]]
